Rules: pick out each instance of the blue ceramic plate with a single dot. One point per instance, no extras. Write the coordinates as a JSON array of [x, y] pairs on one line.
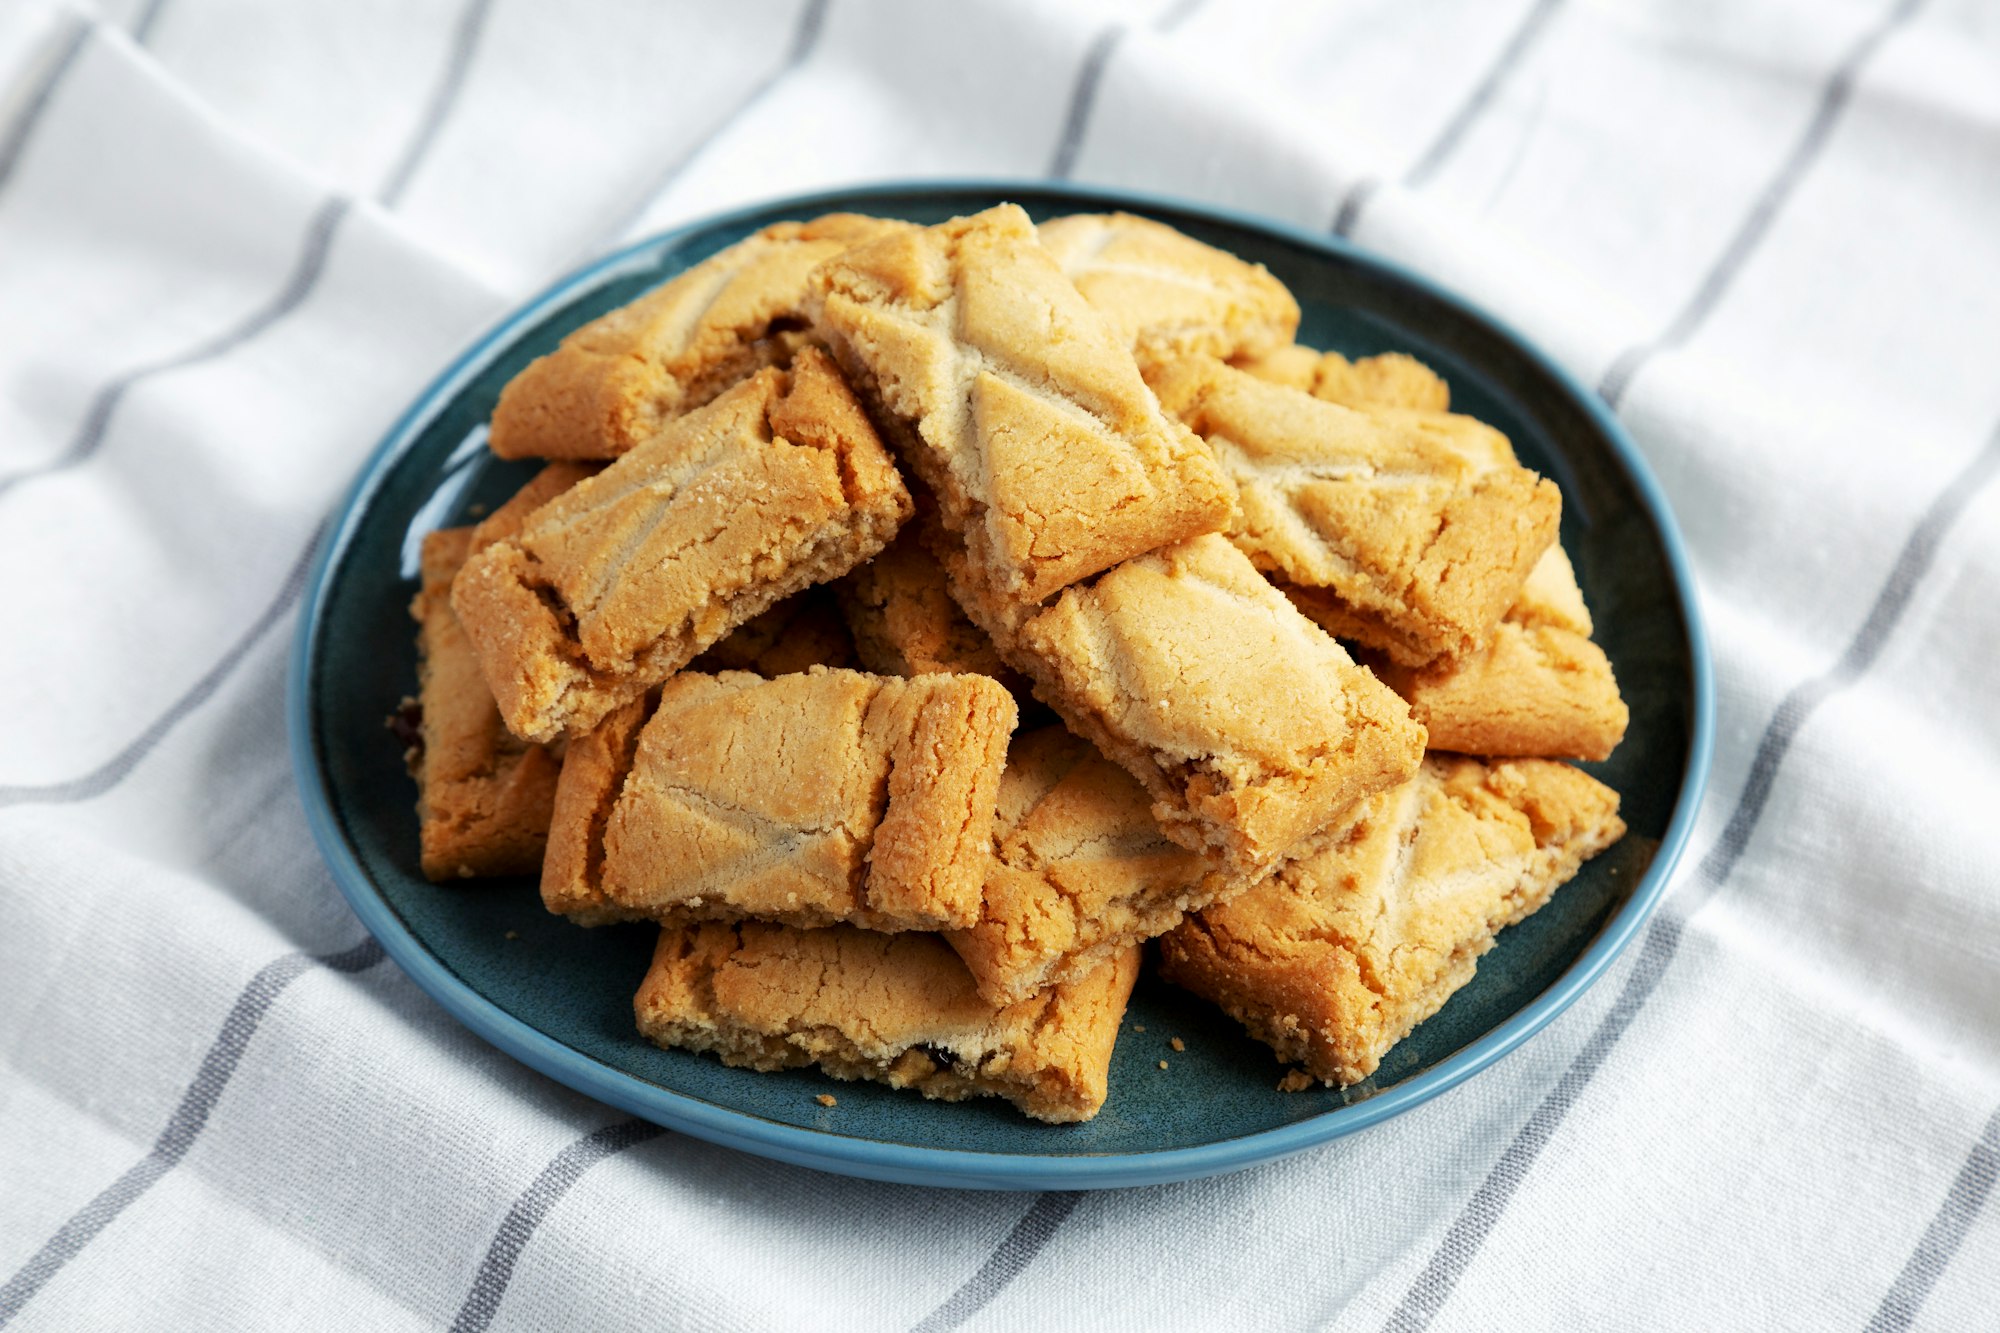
[[559, 998]]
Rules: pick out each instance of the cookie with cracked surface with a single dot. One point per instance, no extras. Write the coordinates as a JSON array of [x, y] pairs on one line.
[[1336, 958], [1540, 688], [812, 799], [594, 767], [483, 798], [625, 577], [1247, 725], [1081, 871], [894, 1009], [1405, 543], [617, 380], [1015, 401], [1390, 380], [1165, 293]]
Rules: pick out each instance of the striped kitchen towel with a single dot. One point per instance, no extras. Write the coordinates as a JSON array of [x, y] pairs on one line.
[[237, 237]]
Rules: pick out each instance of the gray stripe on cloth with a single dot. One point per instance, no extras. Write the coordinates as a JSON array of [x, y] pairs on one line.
[[15, 139], [464, 45], [1477, 102], [1946, 1232], [1014, 1254], [1455, 1253], [299, 283], [805, 37], [149, 18], [1756, 224], [496, 1270], [1083, 99], [114, 770], [190, 1116]]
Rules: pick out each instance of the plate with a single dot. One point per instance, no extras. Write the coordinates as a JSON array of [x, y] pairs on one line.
[[558, 998]]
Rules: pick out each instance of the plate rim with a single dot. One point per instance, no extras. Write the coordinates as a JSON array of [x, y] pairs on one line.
[[948, 1167]]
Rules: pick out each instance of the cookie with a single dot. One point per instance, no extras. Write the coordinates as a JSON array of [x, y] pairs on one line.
[[1015, 402], [811, 799], [1081, 871], [805, 630], [1340, 954], [1540, 688], [903, 618], [625, 577], [1165, 293], [894, 1009], [1404, 543], [1247, 725], [1391, 380], [507, 521], [483, 798], [617, 380], [594, 768]]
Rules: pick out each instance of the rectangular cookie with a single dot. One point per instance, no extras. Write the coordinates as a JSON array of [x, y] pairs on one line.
[[812, 799], [483, 797], [1540, 688], [1410, 545], [625, 577], [1337, 957], [1165, 293], [1247, 725], [894, 1009], [1390, 380], [1015, 402], [794, 636], [1081, 871], [617, 380]]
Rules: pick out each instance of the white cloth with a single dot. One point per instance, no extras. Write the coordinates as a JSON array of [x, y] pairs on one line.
[[237, 237]]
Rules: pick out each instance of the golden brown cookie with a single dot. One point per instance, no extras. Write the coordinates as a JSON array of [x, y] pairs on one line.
[[1333, 960], [1391, 380], [1408, 544], [821, 797], [1248, 726], [625, 577], [904, 620], [483, 797], [507, 520], [1081, 871], [1540, 688], [1167, 294], [805, 630], [895, 1009], [617, 380], [594, 768], [1015, 402]]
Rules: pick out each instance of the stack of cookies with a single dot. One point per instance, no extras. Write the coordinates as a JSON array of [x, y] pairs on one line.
[[828, 514]]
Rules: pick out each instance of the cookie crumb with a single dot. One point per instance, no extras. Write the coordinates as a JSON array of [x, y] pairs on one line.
[[513, 934], [476, 509], [827, 1099], [1138, 1027], [1163, 1064], [1296, 1080], [1177, 1043]]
